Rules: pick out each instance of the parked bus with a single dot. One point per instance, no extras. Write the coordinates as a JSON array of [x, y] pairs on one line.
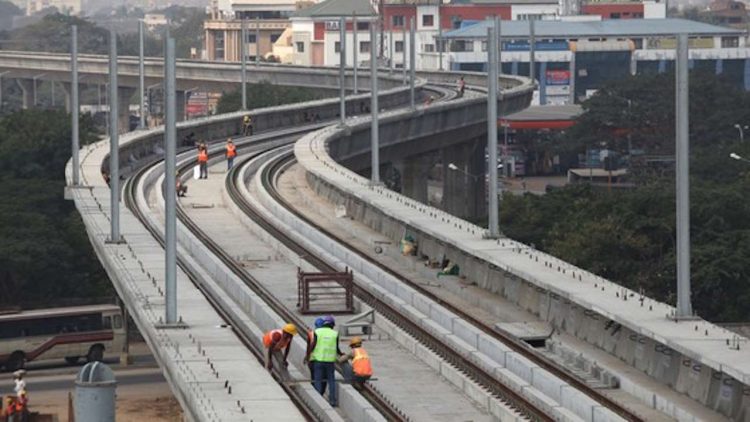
[[60, 333]]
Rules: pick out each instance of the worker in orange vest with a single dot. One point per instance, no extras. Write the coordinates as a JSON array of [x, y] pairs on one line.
[[231, 153], [203, 162], [9, 411], [276, 341], [361, 368], [22, 410]]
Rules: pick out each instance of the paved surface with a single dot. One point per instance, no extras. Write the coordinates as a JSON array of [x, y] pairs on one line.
[[400, 374], [485, 306]]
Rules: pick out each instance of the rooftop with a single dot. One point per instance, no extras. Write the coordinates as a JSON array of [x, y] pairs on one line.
[[337, 8], [604, 28]]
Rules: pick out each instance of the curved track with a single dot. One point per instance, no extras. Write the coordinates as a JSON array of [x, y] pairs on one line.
[[269, 178]]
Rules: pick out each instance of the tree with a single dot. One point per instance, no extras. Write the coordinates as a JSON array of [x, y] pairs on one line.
[[45, 255], [265, 94], [7, 11], [628, 236]]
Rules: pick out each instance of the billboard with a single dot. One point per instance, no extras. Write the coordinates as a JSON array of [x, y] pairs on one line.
[[558, 77]]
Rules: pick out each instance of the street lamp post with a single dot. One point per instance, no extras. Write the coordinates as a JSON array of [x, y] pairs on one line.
[[742, 131], [738, 157]]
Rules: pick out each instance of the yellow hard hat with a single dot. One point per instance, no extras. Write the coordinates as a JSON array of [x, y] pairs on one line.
[[356, 341], [290, 329]]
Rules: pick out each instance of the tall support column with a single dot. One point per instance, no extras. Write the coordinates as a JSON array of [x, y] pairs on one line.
[[170, 195], [684, 307], [74, 108], [243, 61], [374, 124], [124, 94], [633, 63], [492, 77], [412, 60], [440, 44], [572, 93], [114, 151], [342, 69], [355, 50], [27, 92], [532, 50], [141, 78], [391, 50], [257, 42], [403, 52], [464, 188]]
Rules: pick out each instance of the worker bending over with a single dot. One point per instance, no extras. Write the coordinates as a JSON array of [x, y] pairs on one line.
[[323, 353], [276, 341], [247, 125], [361, 369]]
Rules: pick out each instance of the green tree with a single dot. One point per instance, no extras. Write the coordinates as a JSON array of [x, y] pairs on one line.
[[45, 254], [265, 94]]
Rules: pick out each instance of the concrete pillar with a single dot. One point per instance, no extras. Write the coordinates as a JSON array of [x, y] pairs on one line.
[[719, 66], [27, 92], [514, 67], [181, 106], [662, 66], [414, 173], [124, 94], [633, 63], [746, 74], [464, 189], [66, 91]]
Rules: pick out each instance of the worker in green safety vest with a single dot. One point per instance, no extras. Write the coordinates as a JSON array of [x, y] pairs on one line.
[[323, 353]]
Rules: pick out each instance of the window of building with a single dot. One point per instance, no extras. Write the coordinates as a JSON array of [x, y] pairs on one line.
[[638, 15], [428, 20], [730, 42], [275, 37], [461, 46], [428, 48], [398, 20], [219, 46], [337, 47], [638, 43], [456, 22], [364, 46], [399, 46], [251, 38], [300, 47], [614, 15], [363, 26], [484, 45]]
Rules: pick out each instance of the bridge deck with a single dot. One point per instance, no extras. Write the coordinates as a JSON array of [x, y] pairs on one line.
[[399, 373], [187, 368]]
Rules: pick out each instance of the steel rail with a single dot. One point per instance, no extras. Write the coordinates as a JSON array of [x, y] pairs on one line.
[[515, 344]]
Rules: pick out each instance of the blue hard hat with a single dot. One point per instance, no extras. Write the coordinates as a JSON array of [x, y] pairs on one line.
[[319, 322], [329, 320]]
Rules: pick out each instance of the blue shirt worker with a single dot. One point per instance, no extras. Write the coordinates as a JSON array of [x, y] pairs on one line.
[[323, 354]]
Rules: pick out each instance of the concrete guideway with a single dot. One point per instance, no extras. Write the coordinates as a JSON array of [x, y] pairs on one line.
[[212, 211], [139, 285], [694, 357], [492, 308], [185, 355]]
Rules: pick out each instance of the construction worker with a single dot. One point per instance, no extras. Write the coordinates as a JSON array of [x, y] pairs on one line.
[[20, 383], [276, 341], [231, 153], [203, 162], [310, 337], [323, 354], [461, 87], [361, 369], [9, 411], [429, 100], [22, 409], [247, 125]]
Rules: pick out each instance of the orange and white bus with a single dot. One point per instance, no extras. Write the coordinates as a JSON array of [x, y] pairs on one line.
[[60, 333]]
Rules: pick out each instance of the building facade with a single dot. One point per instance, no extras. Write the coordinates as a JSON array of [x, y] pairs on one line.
[[66, 7], [573, 59]]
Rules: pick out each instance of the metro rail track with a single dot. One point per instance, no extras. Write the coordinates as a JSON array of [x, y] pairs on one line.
[[270, 176]]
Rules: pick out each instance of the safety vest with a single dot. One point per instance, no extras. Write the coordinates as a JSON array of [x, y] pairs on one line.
[[361, 363], [203, 156], [231, 151], [325, 345], [280, 344]]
